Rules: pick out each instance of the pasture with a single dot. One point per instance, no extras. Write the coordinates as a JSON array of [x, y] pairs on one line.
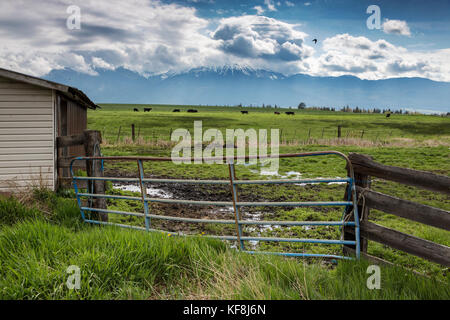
[[305, 125], [41, 232], [414, 141]]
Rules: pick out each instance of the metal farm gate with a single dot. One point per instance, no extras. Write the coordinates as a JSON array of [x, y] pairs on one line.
[[350, 205]]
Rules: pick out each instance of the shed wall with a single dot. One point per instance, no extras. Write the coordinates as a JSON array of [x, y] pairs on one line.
[[26, 136]]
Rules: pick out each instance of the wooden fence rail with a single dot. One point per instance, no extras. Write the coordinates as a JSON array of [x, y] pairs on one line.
[[364, 168], [91, 140]]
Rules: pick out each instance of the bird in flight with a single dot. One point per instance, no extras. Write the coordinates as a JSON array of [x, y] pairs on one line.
[[315, 41]]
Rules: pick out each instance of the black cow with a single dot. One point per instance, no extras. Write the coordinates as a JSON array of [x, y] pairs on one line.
[[192, 110], [388, 115], [147, 109], [176, 110], [290, 113], [244, 112], [135, 109], [276, 112]]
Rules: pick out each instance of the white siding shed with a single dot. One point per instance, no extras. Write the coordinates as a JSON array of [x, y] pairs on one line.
[[30, 119]]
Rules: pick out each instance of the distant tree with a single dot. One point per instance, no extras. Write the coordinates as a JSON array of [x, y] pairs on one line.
[[301, 106]]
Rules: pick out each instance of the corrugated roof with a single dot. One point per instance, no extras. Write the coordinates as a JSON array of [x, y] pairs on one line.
[[71, 92]]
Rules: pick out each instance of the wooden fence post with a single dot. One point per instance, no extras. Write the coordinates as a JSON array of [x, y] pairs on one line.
[[339, 131], [133, 137], [92, 141], [363, 181]]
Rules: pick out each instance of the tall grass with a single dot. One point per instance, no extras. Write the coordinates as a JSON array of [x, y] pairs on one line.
[[125, 264]]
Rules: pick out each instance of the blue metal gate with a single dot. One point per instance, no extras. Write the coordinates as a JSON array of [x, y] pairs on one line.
[[350, 205]]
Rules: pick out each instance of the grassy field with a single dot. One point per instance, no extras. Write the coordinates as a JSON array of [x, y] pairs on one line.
[[305, 124], [413, 141], [41, 233]]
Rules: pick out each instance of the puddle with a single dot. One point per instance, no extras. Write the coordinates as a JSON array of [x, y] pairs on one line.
[[151, 191], [267, 172], [304, 184]]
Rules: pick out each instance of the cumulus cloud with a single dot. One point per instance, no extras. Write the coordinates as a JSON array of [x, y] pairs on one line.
[[160, 38], [261, 37], [154, 39], [367, 59], [398, 27]]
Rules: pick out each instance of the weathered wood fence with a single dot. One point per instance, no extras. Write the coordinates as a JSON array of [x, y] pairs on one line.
[[365, 168], [91, 139]]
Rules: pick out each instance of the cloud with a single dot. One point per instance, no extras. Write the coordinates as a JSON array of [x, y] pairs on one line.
[[259, 10], [307, 4], [367, 59], [154, 39], [398, 27], [289, 4], [261, 37], [160, 38], [270, 5]]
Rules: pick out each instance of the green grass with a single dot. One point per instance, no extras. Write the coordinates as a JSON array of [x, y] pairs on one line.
[[413, 141], [161, 121], [124, 264]]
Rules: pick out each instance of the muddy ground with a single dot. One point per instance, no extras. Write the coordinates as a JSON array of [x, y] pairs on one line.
[[217, 193]]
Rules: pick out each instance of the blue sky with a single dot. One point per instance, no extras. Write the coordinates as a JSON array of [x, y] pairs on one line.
[[155, 37]]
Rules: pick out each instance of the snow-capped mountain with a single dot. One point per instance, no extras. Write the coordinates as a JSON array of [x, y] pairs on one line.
[[232, 85]]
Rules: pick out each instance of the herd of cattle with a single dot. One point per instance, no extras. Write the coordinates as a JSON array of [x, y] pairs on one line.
[[289, 113]]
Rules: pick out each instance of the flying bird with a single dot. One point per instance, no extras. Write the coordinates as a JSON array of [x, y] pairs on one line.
[[315, 41]]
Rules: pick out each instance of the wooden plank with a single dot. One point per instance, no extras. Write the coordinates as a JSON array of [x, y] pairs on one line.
[[19, 85], [18, 77], [27, 150], [26, 131], [25, 104], [410, 244], [67, 182], [25, 111], [26, 144], [25, 91], [427, 180], [27, 137], [67, 141], [26, 117], [26, 164], [65, 163], [25, 98], [26, 177], [25, 170], [24, 125], [21, 157], [93, 168], [364, 181], [428, 215]]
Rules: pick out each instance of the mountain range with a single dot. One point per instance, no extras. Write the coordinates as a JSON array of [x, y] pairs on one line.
[[233, 85]]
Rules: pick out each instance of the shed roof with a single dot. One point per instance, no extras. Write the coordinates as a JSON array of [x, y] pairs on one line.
[[70, 92]]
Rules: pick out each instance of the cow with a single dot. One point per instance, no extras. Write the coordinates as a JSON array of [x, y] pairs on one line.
[[176, 110], [388, 115], [192, 110], [244, 112], [276, 112], [135, 109], [290, 113], [147, 109]]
